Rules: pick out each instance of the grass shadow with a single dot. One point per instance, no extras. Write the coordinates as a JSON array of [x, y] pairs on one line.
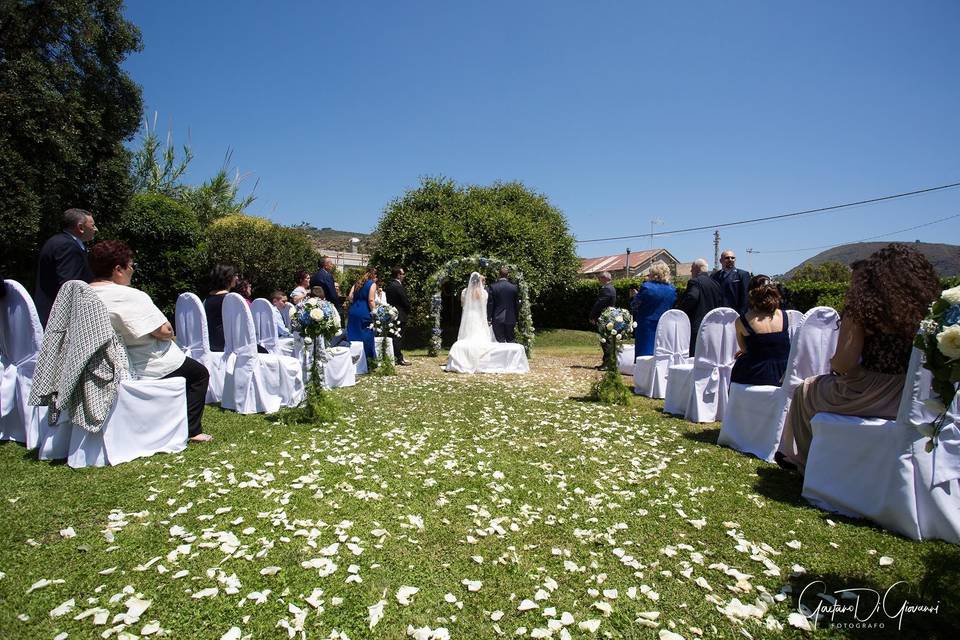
[[776, 484], [705, 436]]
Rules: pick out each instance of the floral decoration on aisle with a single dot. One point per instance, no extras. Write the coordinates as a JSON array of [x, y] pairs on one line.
[[460, 268], [939, 339], [613, 327], [386, 324], [316, 321]]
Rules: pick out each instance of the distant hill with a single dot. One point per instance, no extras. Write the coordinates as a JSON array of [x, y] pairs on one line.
[[327, 238], [945, 258]]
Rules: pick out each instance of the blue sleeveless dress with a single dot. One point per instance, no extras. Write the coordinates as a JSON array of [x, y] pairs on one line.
[[358, 322], [766, 358]]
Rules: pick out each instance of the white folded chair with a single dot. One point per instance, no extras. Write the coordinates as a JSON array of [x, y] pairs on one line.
[[796, 321], [626, 359], [671, 346], [878, 469], [358, 354], [255, 382], [288, 308], [699, 390], [20, 337], [265, 327], [192, 335], [755, 414], [147, 417], [338, 370]]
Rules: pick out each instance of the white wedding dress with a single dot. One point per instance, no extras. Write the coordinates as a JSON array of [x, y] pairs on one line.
[[476, 350]]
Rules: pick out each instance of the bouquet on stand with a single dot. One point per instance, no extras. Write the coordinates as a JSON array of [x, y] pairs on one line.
[[613, 326], [939, 339], [385, 323], [316, 321]]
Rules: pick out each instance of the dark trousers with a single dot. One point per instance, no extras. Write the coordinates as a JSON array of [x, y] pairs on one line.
[[197, 380], [503, 332], [397, 354]]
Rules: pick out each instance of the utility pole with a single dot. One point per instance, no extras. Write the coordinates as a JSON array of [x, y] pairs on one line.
[[653, 222], [750, 253], [716, 249], [628, 262]]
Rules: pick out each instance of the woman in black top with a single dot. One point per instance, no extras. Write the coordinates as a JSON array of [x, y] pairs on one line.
[[763, 334], [223, 277]]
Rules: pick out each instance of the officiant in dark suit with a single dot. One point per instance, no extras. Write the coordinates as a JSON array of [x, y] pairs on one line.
[[323, 279], [606, 298], [503, 307], [63, 257], [397, 296], [734, 283]]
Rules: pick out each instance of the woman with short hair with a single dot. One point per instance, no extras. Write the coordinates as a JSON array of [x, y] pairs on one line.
[[145, 331], [655, 297]]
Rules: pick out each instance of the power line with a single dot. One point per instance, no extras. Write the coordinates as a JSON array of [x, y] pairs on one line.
[[882, 235], [778, 216]]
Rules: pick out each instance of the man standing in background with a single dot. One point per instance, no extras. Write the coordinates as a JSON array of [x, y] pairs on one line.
[[606, 298], [702, 296], [503, 307], [63, 257], [734, 283], [397, 296], [323, 278]]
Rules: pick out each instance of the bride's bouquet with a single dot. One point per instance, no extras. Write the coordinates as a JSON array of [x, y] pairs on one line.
[[939, 339], [385, 322]]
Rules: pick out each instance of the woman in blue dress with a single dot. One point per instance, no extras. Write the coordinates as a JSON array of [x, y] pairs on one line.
[[763, 334], [362, 300], [655, 298]]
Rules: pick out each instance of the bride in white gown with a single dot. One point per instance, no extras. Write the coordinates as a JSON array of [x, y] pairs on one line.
[[475, 338]]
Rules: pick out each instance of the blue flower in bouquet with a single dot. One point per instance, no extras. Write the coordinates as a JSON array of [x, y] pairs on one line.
[[952, 316], [315, 317], [614, 325], [385, 321]]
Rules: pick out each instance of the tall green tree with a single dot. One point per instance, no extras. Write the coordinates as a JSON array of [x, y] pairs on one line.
[[66, 107], [440, 220]]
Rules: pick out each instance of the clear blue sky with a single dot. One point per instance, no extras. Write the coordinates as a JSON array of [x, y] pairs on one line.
[[619, 112]]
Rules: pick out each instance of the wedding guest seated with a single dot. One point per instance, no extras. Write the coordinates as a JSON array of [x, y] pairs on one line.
[[223, 277], [889, 294], [303, 287], [245, 289], [654, 298], [763, 334], [278, 299], [145, 331]]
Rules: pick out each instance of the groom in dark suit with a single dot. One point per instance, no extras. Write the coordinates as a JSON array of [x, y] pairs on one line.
[[503, 307], [397, 296]]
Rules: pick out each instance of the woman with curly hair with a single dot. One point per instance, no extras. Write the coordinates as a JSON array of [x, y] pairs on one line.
[[888, 296], [763, 335], [654, 298]]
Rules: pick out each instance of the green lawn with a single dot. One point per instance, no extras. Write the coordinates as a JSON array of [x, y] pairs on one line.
[[482, 492]]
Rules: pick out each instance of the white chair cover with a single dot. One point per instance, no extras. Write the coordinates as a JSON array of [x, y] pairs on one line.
[[338, 370], [357, 353], [265, 327], [878, 469], [20, 337], [671, 346], [377, 346], [193, 338], [625, 359], [288, 308], [716, 348], [149, 416], [255, 382], [796, 321], [755, 414]]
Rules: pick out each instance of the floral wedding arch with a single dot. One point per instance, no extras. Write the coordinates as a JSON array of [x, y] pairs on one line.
[[460, 268]]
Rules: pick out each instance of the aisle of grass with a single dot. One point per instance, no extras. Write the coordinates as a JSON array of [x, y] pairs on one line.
[[482, 492]]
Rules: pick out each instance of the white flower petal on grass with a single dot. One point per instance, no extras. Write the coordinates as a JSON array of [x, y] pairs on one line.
[[135, 608], [99, 614], [61, 636], [886, 561], [603, 606], [472, 585], [669, 635], [702, 583], [799, 621], [375, 613], [610, 594], [416, 521], [150, 628], [496, 616], [107, 572], [205, 593], [590, 626], [794, 544], [233, 634], [68, 533], [269, 571], [405, 593], [63, 609], [477, 559], [527, 605], [42, 583]]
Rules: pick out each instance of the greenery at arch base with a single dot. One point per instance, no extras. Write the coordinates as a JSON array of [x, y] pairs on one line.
[[459, 269]]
